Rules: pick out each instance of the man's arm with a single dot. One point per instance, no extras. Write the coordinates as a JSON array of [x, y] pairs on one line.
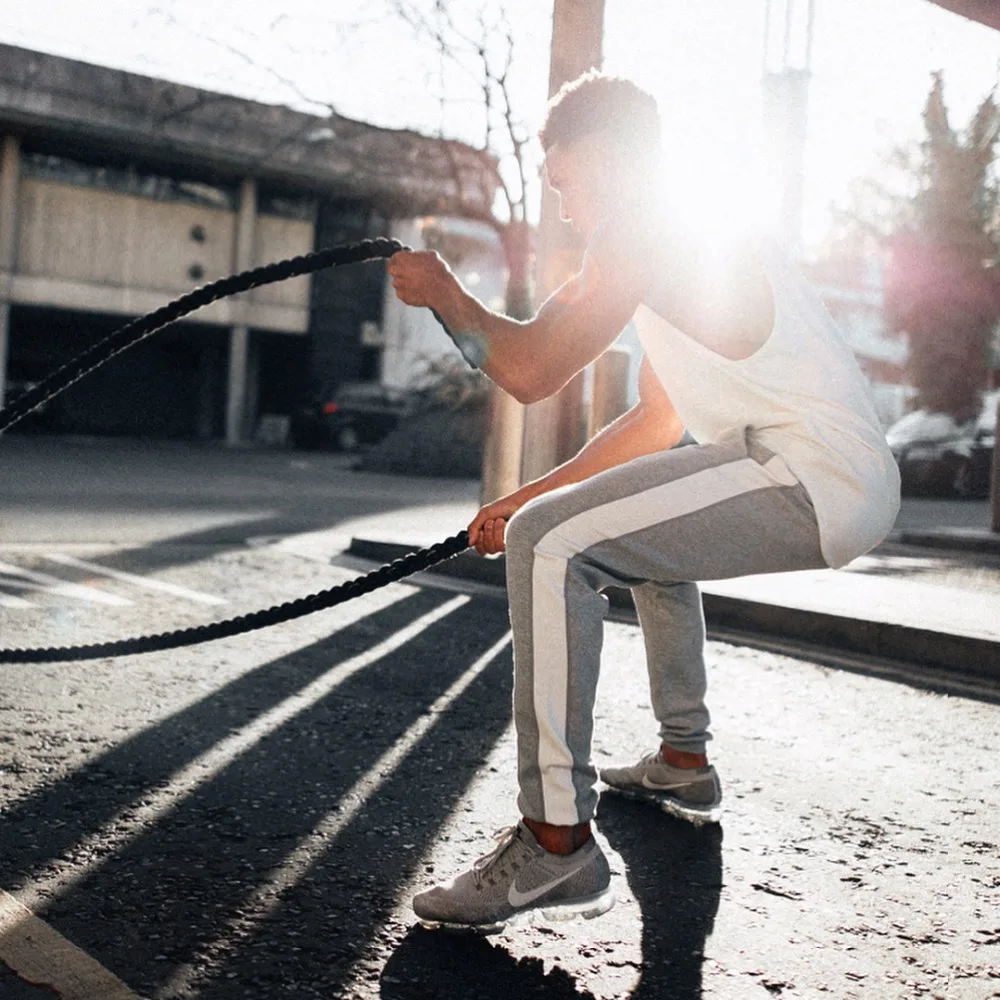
[[650, 426], [533, 359]]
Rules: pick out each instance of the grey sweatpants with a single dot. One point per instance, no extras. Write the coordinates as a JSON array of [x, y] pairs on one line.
[[654, 525]]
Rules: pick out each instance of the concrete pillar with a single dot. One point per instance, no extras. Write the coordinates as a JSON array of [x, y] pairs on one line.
[[502, 449], [609, 392], [239, 398], [995, 488], [553, 428], [236, 397], [10, 178]]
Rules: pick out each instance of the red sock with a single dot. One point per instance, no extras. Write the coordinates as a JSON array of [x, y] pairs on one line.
[[679, 758], [559, 839]]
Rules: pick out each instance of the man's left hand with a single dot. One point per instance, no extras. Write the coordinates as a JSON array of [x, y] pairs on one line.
[[489, 527]]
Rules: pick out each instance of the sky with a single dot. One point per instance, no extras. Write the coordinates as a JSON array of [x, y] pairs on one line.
[[871, 62]]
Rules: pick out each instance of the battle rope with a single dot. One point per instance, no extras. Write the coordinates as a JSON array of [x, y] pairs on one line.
[[414, 562], [137, 330]]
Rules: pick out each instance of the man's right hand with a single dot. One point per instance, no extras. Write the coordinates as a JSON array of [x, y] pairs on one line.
[[421, 278]]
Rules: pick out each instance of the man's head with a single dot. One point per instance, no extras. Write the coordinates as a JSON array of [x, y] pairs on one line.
[[602, 142]]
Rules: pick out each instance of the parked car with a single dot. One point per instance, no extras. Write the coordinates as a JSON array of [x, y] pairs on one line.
[[980, 466], [942, 456], [355, 415]]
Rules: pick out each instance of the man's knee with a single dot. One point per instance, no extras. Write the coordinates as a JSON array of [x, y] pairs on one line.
[[534, 521], [540, 530], [524, 529]]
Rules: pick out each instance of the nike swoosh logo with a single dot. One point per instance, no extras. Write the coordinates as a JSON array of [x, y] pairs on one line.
[[516, 898], [654, 787]]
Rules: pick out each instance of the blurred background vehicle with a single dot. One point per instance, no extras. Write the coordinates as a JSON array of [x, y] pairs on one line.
[[941, 456], [356, 415], [980, 465]]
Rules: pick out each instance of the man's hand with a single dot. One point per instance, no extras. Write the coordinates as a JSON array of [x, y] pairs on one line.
[[421, 277], [487, 530]]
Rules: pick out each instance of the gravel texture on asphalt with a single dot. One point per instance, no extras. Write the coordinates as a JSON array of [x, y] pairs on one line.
[[249, 819]]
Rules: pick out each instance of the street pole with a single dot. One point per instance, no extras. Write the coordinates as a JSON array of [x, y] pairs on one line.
[[10, 174], [995, 488], [526, 442], [238, 395], [555, 428]]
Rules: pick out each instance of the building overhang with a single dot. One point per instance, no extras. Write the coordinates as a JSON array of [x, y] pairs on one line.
[[101, 110], [984, 11]]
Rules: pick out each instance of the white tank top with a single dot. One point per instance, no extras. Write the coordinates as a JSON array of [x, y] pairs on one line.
[[803, 396]]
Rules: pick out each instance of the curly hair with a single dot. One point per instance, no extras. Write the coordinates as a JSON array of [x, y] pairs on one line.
[[610, 106]]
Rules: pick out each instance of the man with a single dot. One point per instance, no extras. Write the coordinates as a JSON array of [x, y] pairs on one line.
[[791, 471]]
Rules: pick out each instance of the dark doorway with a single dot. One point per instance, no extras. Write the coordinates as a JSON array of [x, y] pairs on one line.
[[171, 385]]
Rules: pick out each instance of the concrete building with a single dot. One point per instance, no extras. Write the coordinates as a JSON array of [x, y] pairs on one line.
[[120, 192]]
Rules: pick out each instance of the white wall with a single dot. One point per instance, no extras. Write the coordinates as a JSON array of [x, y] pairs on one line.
[[91, 249], [413, 338]]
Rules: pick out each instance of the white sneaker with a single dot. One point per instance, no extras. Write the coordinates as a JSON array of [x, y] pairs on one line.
[[517, 881], [694, 794]]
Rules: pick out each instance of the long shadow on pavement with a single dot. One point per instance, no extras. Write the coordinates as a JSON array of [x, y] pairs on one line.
[[234, 873], [674, 870], [429, 965], [675, 873], [44, 825]]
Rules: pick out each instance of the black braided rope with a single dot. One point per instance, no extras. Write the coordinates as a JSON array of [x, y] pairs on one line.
[[139, 329], [143, 327], [414, 562]]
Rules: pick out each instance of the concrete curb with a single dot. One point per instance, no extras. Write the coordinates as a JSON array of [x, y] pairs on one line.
[[968, 655], [964, 540]]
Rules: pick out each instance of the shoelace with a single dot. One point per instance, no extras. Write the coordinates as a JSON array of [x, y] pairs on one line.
[[507, 841]]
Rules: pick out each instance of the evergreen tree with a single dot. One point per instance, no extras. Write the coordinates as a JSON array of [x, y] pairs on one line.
[[943, 285]]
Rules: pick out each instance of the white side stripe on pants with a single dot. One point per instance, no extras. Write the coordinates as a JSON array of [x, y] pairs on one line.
[[548, 585]]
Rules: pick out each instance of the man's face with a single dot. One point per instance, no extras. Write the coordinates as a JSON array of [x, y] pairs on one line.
[[574, 172]]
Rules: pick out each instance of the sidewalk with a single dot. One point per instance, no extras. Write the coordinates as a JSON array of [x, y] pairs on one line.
[[932, 607]]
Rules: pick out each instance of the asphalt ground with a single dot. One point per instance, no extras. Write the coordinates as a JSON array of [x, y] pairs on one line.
[[249, 818]]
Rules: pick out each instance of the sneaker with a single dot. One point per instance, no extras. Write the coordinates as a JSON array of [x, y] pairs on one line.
[[518, 881], [694, 794]]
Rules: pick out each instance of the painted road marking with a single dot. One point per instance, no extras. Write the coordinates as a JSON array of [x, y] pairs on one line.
[[40, 955], [138, 581], [34, 580]]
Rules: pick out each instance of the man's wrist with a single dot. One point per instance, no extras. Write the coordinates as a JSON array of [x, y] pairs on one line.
[[460, 316]]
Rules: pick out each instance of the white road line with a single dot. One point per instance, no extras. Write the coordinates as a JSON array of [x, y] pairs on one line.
[[135, 818], [137, 581], [40, 955], [266, 896], [53, 585], [10, 601]]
